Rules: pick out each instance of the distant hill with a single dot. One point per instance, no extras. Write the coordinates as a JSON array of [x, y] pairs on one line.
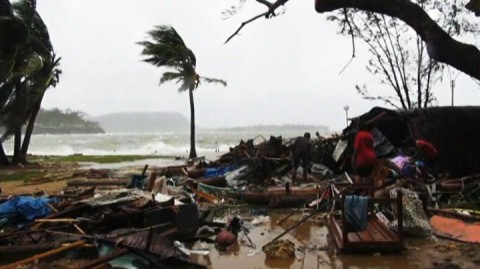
[[56, 121], [143, 122], [278, 128]]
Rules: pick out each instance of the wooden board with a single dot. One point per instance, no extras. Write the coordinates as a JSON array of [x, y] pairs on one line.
[[456, 229], [376, 237]]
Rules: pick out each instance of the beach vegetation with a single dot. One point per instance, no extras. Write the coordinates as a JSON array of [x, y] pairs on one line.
[[56, 121], [22, 175], [167, 50]]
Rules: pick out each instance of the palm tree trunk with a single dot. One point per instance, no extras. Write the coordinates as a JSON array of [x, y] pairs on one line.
[[16, 146], [3, 157], [21, 108], [29, 130], [193, 151]]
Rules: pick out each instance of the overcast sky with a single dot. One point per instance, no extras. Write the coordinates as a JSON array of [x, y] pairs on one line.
[[283, 70]]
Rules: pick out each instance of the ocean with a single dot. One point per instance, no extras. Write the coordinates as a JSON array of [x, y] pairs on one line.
[[171, 144]]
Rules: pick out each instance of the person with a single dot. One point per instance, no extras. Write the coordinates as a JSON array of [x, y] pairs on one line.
[[428, 154], [363, 159], [301, 150]]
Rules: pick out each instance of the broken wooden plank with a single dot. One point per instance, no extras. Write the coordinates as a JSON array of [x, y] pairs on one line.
[[43, 255]]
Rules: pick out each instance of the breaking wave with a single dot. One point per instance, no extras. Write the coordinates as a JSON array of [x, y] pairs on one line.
[[174, 144]]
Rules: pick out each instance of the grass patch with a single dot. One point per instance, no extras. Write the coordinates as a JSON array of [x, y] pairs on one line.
[[105, 158], [22, 175]]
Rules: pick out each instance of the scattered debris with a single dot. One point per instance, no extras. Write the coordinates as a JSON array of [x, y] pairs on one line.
[[280, 249], [153, 216]]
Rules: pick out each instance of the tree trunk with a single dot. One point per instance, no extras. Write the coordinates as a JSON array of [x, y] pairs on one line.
[[21, 109], [440, 46], [29, 130], [193, 151], [3, 157], [16, 146]]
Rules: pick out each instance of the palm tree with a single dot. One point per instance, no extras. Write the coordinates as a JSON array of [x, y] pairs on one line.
[[48, 76], [168, 50], [31, 67]]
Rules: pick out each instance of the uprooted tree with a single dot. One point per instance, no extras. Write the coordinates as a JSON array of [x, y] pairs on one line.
[[440, 45]]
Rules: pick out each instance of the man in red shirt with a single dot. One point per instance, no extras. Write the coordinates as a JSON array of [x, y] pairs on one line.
[[363, 159], [427, 153], [426, 150]]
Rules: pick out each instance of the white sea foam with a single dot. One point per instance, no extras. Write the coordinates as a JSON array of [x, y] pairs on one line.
[[177, 144]]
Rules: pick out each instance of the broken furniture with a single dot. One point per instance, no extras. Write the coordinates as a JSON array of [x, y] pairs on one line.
[[377, 237]]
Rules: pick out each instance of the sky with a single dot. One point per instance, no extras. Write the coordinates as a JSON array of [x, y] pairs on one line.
[[285, 70]]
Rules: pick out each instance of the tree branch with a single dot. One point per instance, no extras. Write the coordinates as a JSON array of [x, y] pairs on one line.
[[268, 14], [353, 39], [440, 46]]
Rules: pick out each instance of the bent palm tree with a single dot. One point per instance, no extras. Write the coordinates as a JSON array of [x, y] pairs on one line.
[[168, 50], [28, 67]]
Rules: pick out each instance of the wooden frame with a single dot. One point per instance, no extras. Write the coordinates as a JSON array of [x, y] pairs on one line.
[[376, 238]]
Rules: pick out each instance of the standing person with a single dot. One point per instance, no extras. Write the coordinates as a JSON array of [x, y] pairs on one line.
[[301, 150], [363, 159]]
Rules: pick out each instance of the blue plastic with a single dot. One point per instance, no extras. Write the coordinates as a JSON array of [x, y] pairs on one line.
[[26, 208], [356, 212], [216, 172]]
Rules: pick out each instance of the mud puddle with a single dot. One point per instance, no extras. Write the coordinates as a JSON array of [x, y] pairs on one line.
[[313, 251]]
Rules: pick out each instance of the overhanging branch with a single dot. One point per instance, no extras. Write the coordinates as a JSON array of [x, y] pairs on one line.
[[271, 7], [440, 46]]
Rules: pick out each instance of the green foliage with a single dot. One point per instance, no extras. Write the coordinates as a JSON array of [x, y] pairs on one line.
[[22, 174], [68, 121], [167, 49], [34, 69]]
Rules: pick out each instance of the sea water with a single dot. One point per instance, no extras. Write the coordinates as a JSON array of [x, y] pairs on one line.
[[164, 144]]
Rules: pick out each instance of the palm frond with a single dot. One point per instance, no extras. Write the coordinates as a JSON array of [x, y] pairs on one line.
[[188, 82], [6, 91], [214, 80], [167, 49], [6, 8], [25, 9], [169, 76], [184, 87]]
